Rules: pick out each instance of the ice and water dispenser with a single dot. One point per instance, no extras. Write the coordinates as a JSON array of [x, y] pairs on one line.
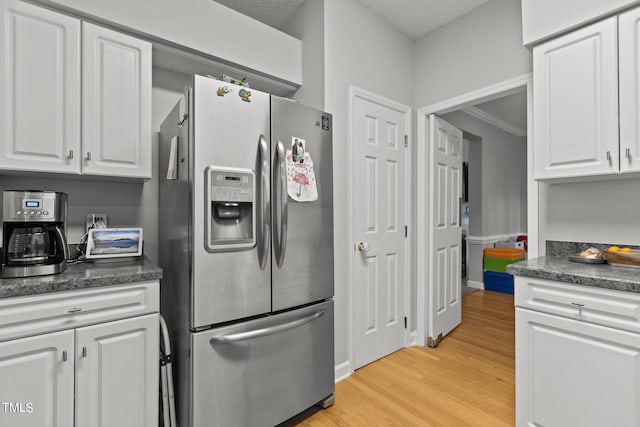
[[231, 218]]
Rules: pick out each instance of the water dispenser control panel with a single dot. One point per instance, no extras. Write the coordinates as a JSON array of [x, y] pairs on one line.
[[232, 186], [231, 216]]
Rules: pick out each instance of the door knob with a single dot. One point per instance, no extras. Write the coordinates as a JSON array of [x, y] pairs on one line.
[[364, 247]]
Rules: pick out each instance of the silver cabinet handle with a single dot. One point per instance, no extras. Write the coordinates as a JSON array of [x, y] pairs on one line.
[[280, 183], [64, 355], [609, 155], [578, 304], [627, 153], [84, 351], [265, 197], [257, 333], [70, 154], [74, 310], [88, 155]]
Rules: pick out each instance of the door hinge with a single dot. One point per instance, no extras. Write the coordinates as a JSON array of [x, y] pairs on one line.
[[405, 322], [406, 231], [406, 141]]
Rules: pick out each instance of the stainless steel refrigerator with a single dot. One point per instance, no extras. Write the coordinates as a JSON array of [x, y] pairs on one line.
[[246, 245]]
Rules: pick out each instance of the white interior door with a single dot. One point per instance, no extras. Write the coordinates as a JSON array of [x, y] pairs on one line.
[[379, 130], [445, 249]]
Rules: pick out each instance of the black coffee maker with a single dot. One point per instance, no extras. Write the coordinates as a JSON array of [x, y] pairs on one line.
[[34, 233]]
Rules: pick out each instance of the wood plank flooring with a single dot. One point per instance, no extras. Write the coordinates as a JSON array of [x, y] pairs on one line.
[[468, 380]]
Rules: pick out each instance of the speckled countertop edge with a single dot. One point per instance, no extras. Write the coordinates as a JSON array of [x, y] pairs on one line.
[[82, 276], [559, 268]]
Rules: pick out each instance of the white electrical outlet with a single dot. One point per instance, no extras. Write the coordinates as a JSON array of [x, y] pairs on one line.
[[96, 220]]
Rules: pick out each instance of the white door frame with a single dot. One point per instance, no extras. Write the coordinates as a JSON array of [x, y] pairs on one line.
[[423, 201], [354, 93]]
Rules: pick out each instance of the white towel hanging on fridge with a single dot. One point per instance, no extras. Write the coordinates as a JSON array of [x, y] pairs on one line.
[[301, 179]]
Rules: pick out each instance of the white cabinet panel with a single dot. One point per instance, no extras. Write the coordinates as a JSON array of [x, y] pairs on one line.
[[36, 381], [39, 89], [117, 373], [37, 314], [572, 373], [629, 24], [116, 126], [576, 103]]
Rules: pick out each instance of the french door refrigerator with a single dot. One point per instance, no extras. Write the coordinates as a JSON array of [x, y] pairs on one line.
[[246, 246]]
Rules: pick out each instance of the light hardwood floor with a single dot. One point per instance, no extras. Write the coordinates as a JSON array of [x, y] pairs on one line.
[[468, 380]]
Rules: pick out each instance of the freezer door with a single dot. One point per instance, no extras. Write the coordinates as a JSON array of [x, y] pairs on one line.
[[262, 372], [231, 141], [302, 248]]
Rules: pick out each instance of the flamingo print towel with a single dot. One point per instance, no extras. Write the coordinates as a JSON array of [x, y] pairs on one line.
[[301, 180]]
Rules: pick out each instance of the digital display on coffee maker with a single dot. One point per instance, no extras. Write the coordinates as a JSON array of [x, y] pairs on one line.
[[32, 204]]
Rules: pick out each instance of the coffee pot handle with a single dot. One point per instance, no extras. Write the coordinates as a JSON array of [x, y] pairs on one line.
[[63, 242]]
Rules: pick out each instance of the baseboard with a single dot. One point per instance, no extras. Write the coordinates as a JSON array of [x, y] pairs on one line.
[[475, 285], [343, 371], [413, 338]]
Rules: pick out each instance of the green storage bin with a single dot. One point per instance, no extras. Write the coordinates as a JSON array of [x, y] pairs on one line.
[[498, 264]]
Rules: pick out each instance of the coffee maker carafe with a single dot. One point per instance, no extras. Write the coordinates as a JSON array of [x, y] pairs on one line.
[[34, 233]]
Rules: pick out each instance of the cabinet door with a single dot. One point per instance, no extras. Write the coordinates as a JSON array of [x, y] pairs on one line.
[[39, 89], [573, 373], [630, 91], [117, 373], [116, 96], [36, 381], [575, 95]]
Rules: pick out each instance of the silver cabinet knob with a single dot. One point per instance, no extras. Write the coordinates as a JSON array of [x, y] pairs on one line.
[[364, 247]]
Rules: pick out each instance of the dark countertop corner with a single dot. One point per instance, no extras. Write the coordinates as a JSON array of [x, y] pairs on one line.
[[559, 268], [83, 275]]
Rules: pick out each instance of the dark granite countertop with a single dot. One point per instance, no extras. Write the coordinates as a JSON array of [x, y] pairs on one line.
[[83, 275], [559, 268]]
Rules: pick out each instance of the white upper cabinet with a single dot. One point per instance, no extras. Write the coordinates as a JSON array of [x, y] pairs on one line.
[[576, 103], [44, 75], [116, 103], [629, 40], [39, 89]]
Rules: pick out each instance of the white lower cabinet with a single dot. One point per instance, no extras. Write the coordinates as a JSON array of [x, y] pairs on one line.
[[116, 380], [570, 372], [92, 374], [36, 381]]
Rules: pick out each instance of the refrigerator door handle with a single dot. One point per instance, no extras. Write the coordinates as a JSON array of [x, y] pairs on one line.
[[265, 197], [257, 333], [281, 178]]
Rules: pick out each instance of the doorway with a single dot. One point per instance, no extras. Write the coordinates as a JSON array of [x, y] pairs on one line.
[[451, 111]]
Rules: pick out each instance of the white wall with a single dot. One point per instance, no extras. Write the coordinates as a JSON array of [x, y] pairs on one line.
[[476, 50], [499, 206], [598, 212], [361, 50], [504, 175], [200, 25], [307, 25], [542, 19]]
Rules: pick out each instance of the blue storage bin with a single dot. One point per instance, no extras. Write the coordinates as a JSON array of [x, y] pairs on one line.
[[499, 282]]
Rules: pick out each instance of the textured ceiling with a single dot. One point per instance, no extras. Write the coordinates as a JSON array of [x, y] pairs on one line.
[[271, 12], [415, 18]]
